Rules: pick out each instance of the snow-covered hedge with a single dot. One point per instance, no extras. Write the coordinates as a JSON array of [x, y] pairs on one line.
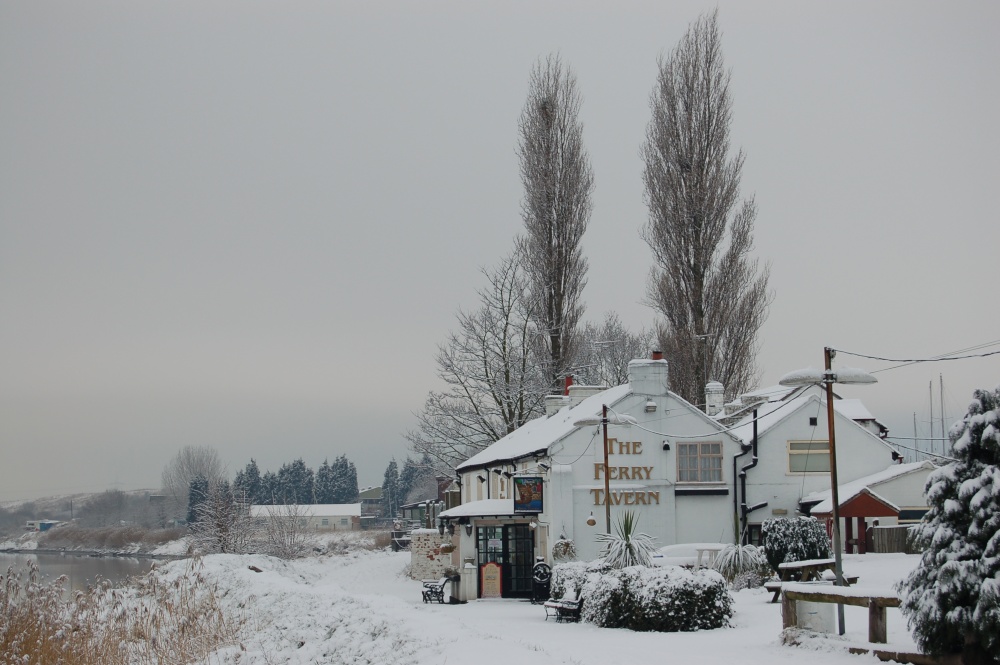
[[796, 539], [667, 599]]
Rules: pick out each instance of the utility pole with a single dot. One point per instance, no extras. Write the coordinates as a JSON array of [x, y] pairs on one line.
[[828, 354], [944, 440], [607, 479], [930, 435]]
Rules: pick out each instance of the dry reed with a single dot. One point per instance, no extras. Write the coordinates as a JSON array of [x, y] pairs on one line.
[[148, 621]]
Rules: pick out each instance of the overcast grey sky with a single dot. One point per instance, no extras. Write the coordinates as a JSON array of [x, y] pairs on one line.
[[249, 224]]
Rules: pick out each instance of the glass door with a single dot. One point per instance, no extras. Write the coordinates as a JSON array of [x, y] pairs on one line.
[[512, 547]]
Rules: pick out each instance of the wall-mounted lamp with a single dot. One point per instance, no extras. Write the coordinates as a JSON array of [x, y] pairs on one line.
[[544, 467], [468, 529], [508, 474], [497, 471], [590, 520], [481, 478], [650, 406], [441, 528], [451, 529], [666, 446]]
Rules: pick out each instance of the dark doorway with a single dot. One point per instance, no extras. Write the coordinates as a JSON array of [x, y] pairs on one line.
[[512, 546]]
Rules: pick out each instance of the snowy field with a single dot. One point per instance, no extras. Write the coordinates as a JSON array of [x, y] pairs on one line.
[[361, 608]]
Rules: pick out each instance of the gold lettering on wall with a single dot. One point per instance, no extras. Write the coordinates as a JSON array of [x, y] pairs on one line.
[[628, 497]]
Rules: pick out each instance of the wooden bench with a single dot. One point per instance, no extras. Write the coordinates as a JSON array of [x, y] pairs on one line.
[[876, 604], [803, 571], [774, 586], [434, 590], [564, 609]]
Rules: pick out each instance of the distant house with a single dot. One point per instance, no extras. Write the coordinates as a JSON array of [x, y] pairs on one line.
[[40, 525], [314, 517], [371, 502]]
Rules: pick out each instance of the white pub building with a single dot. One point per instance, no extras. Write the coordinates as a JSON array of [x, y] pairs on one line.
[[688, 477]]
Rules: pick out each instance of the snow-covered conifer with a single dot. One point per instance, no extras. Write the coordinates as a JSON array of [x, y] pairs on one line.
[[952, 598]]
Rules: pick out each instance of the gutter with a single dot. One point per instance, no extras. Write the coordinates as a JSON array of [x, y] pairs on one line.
[[745, 510]]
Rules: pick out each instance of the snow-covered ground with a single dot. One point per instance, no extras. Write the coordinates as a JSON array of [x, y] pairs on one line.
[[361, 608]]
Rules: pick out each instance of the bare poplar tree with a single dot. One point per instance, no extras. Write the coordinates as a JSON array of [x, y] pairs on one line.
[[558, 181], [494, 384], [713, 296], [605, 350]]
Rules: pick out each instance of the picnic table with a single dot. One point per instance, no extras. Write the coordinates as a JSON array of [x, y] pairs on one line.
[[810, 570]]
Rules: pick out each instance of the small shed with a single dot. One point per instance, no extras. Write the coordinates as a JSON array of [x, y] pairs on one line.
[[855, 511]]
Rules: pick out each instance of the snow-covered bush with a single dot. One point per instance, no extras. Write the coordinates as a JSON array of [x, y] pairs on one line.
[[745, 563], [627, 546], [570, 577], [668, 599], [796, 539], [952, 598]]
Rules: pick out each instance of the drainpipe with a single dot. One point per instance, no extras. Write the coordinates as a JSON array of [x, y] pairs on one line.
[[736, 498], [744, 509]]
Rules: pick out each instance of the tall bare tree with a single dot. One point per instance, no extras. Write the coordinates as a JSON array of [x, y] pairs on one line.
[[712, 294], [606, 348], [494, 384], [558, 181]]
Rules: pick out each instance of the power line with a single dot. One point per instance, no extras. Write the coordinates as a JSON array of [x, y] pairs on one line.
[[924, 452], [939, 358]]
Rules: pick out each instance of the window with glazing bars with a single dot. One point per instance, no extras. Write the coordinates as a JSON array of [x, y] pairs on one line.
[[699, 463], [809, 456]]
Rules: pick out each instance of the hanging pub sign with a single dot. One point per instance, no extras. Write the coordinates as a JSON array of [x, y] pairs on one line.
[[527, 495]]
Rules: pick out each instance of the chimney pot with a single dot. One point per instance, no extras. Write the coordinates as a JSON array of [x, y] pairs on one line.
[[657, 355]]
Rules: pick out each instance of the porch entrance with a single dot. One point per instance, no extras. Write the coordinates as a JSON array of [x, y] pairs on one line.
[[512, 546]]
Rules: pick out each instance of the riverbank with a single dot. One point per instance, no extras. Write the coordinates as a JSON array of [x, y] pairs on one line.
[[103, 542], [97, 553]]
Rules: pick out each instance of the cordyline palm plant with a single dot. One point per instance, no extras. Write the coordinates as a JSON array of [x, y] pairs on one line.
[[627, 547]]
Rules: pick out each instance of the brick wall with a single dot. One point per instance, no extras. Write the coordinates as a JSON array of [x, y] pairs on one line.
[[427, 561]]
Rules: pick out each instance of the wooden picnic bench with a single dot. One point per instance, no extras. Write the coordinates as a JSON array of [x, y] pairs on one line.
[[803, 571], [434, 590], [876, 604], [566, 608]]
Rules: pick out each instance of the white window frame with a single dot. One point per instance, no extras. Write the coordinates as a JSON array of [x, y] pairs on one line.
[[701, 447], [815, 452]]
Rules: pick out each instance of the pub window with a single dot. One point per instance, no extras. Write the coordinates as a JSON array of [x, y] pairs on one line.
[[326, 521], [699, 463], [809, 457]]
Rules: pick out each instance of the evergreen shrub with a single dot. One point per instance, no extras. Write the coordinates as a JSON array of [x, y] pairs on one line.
[[796, 539], [668, 599], [952, 598]]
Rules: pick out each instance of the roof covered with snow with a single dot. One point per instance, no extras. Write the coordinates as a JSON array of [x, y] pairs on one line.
[[538, 434], [847, 491], [309, 510], [770, 414], [483, 508]]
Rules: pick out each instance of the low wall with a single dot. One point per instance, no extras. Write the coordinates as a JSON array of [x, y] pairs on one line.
[[427, 560]]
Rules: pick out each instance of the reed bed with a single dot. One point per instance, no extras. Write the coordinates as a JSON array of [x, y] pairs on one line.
[[151, 620]]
